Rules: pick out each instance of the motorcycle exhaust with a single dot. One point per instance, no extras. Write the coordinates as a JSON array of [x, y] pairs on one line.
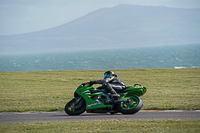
[[120, 100]]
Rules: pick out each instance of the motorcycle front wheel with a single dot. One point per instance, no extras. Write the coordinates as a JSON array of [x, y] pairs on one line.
[[73, 108], [133, 105]]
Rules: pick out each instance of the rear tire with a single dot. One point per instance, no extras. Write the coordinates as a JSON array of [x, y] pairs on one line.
[[77, 109], [132, 107]]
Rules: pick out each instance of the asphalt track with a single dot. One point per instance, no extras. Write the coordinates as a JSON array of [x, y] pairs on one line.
[[16, 117]]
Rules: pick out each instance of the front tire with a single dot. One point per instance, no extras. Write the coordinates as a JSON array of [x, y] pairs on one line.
[[133, 106], [75, 109]]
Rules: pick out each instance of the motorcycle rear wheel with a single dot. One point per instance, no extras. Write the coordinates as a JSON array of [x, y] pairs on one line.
[[134, 105], [72, 109]]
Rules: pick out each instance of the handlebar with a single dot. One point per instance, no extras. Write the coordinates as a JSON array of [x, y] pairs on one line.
[[86, 84]]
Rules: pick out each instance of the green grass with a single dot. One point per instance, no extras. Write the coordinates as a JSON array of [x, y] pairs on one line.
[[107, 126], [51, 90]]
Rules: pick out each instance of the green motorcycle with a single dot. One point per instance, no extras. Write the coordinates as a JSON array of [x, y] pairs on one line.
[[89, 99]]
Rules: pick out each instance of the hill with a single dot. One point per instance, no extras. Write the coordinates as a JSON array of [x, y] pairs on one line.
[[116, 27]]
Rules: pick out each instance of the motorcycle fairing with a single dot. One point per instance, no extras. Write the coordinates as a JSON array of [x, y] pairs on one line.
[[86, 93]]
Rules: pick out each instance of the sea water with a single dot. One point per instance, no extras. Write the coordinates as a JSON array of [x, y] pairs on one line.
[[176, 56]]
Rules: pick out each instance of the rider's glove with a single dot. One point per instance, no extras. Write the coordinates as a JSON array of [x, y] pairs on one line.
[[92, 82]]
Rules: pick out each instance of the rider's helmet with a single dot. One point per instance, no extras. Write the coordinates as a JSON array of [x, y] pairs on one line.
[[109, 74]]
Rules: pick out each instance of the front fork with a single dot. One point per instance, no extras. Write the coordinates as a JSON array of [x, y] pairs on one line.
[[77, 99], [74, 104]]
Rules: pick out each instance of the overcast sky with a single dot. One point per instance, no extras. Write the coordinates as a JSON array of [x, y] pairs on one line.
[[22, 16]]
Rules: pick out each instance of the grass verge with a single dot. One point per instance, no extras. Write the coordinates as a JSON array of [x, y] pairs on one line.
[[108, 126], [51, 90]]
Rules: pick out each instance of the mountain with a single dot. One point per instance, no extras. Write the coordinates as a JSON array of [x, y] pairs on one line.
[[116, 27]]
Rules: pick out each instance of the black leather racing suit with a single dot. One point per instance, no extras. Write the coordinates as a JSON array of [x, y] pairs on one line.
[[111, 84]]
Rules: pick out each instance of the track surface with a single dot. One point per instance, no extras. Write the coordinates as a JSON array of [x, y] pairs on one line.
[[13, 117]]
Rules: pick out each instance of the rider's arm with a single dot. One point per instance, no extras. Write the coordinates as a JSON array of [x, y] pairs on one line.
[[101, 81]]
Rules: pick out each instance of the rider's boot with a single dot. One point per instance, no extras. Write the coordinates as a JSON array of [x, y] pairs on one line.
[[108, 99]]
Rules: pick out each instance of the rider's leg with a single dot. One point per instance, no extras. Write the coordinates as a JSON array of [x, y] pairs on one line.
[[110, 89], [108, 100]]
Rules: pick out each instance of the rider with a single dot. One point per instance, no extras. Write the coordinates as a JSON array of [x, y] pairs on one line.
[[110, 83]]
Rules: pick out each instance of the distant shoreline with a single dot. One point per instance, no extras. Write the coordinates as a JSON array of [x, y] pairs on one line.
[[104, 69]]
